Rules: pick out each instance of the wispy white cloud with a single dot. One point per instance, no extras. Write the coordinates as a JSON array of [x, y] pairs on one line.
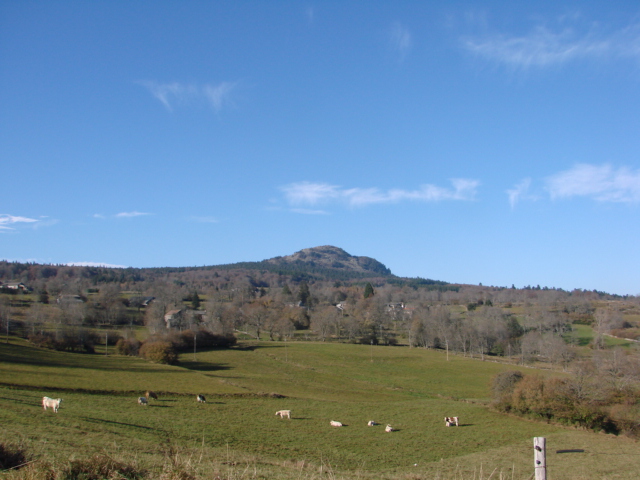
[[13, 222], [309, 193], [308, 211], [310, 13], [520, 192], [205, 219], [400, 40], [130, 214], [176, 94], [94, 264], [602, 183], [7, 221], [544, 46]]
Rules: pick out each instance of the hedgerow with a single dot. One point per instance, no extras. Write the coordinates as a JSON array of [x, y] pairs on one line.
[[568, 400]]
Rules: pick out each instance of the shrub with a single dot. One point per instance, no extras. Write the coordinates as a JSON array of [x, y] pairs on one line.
[[206, 339], [100, 467], [502, 386], [159, 352], [72, 340], [127, 346], [183, 341], [44, 340]]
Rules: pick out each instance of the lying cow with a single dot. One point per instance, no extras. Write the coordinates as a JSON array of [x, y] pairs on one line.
[[143, 401], [333, 423], [201, 399], [450, 421], [388, 428], [371, 423], [53, 403], [149, 394], [284, 413]]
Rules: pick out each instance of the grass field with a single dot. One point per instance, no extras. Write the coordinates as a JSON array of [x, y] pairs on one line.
[[236, 434]]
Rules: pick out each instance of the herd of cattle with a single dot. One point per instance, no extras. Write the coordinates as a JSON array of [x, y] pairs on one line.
[[54, 404], [448, 421]]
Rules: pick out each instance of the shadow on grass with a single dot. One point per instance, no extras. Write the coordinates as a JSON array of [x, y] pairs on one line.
[[29, 401], [101, 421], [204, 366]]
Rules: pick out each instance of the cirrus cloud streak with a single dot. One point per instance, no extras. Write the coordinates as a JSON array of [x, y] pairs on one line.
[[545, 46], [310, 193], [176, 94], [603, 183]]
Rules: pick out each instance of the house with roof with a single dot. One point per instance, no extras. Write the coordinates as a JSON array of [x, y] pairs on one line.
[[173, 318], [14, 287]]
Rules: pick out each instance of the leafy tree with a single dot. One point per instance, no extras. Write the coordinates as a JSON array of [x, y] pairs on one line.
[[304, 295], [368, 290], [195, 301]]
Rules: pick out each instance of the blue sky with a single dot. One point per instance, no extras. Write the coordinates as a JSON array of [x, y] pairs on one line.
[[471, 142]]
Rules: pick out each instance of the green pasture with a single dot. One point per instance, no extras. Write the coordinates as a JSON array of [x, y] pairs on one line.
[[582, 336], [237, 430]]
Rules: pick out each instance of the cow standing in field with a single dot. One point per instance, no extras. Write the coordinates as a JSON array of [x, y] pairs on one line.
[[149, 394], [450, 421], [201, 399], [53, 403], [143, 401], [284, 413]]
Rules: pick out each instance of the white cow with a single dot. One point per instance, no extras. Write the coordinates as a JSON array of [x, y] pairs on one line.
[[284, 413], [143, 401], [333, 423], [450, 421], [371, 423], [201, 399], [53, 403], [388, 428]]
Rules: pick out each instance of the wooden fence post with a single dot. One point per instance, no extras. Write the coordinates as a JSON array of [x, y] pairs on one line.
[[540, 457]]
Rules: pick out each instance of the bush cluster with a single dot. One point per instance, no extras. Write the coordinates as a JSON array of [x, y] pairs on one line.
[[69, 340], [165, 348], [183, 341], [129, 346], [567, 400], [159, 352]]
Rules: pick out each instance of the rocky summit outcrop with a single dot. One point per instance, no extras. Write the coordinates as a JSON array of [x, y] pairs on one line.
[[331, 257]]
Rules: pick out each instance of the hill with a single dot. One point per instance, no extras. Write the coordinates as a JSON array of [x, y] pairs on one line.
[[332, 258], [318, 263]]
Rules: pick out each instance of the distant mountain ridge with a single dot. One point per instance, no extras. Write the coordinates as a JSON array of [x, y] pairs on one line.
[[331, 257], [325, 262]]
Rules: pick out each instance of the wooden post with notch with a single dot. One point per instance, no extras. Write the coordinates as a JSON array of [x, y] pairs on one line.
[[540, 457]]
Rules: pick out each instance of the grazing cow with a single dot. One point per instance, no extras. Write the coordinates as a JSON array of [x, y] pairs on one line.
[[450, 421], [388, 428], [201, 399], [333, 423], [371, 423], [284, 413], [149, 394], [143, 401], [53, 403]]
